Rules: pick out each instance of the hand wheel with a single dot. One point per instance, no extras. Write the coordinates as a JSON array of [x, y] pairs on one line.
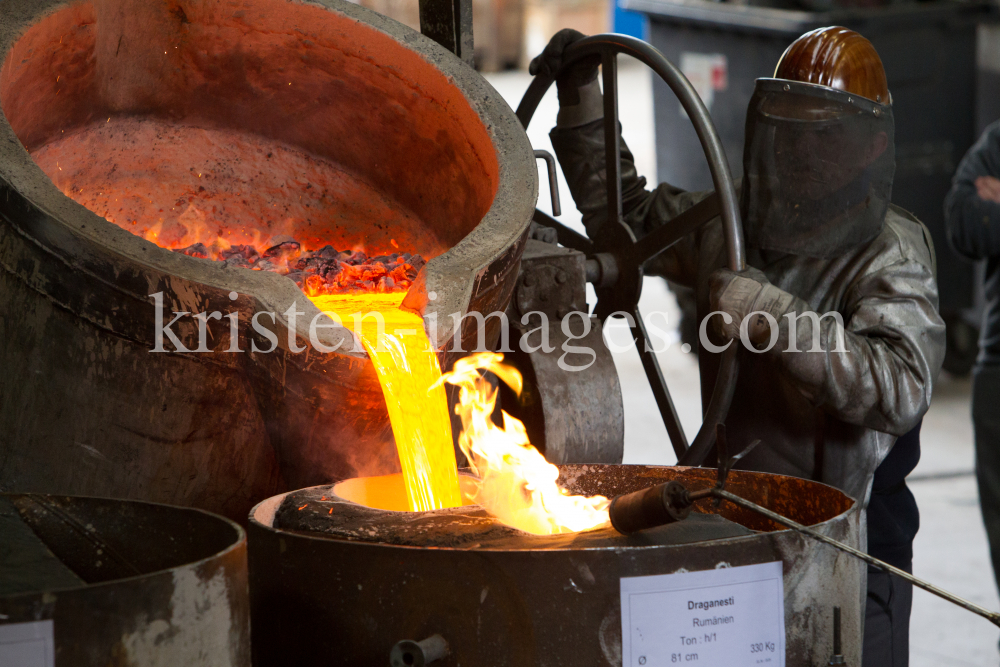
[[615, 257]]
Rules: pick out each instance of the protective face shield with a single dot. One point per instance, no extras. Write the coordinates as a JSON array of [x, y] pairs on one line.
[[818, 166]]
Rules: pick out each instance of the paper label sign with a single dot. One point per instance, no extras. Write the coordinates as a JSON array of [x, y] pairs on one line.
[[27, 644], [729, 617]]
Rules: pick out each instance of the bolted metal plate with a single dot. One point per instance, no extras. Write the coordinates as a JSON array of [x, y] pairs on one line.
[[552, 280]]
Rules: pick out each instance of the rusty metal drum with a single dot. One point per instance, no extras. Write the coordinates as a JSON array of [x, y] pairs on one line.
[[90, 582], [341, 583], [86, 406]]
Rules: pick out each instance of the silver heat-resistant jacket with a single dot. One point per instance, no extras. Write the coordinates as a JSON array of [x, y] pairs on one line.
[[826, 416]]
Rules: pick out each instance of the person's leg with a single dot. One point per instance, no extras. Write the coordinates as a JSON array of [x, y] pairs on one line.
[[887, 620], [986, 422]]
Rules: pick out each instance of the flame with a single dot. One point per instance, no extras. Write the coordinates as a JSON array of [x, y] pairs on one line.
[[516, 484], [408, 370]]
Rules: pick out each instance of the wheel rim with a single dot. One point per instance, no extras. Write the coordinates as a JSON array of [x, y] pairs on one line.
[[618, 240]]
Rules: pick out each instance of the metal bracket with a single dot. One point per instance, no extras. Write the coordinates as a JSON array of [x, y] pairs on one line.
[[449, 23], [550, 164], [571, 406]]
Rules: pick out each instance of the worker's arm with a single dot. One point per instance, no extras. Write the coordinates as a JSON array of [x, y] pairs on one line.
[[890, 346], [972, 207], [580, 150], [578, 140]]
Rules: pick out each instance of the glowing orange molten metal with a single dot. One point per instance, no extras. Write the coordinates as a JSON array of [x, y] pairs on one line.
[[515, 482], [408, 370]]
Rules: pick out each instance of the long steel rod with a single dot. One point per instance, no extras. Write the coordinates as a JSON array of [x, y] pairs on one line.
[[992, 617]]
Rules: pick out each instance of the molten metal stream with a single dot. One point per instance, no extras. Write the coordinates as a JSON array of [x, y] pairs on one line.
[[407, 368], [515, 483]]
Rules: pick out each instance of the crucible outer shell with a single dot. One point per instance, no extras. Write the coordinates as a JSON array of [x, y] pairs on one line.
[[85, 407], [125, 582], [522, 600]]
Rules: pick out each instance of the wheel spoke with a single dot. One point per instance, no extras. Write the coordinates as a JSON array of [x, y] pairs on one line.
[[658, 385], [612, 139], [663, 237], [567, 237]]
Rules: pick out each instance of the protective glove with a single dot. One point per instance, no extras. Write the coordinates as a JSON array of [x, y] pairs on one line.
[[572, 79], [740, 293]]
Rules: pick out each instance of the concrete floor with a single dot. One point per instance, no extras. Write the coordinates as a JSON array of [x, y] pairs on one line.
[[950, 550]]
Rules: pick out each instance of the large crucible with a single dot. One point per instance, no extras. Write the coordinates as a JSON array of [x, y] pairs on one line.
[[130, 129], [340, 575]]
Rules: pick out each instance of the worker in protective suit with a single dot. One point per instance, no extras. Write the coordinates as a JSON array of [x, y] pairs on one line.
[[827, 401]]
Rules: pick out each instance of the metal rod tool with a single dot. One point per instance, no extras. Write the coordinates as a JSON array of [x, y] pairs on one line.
[[637, 511], [992, 617]]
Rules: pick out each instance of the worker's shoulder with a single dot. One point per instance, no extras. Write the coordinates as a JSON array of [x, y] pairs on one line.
[[904, 234], [990, 136]]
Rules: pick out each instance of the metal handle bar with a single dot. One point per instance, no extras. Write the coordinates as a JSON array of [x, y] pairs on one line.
[[550, 168]]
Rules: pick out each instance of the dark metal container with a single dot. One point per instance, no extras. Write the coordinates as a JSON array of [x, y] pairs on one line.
[[100, 583], [334, 582], [85, 406], [928, 50]]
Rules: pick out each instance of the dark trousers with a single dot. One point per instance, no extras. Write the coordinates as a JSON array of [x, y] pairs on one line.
[[986, 421], [893, 521], [887, 620]]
